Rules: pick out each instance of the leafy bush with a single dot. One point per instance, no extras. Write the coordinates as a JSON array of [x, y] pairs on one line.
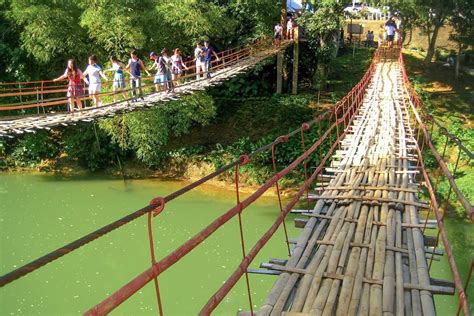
[[146, 132], [30, 149], [90, 146]]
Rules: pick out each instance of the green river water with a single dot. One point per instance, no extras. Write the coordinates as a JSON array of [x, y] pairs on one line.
[[39, 213]]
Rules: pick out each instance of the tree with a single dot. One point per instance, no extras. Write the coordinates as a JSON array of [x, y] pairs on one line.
[[13, 58], [323, 28], [50, 30], [147, 132], [117, 26], [432, 15], [463, 24]]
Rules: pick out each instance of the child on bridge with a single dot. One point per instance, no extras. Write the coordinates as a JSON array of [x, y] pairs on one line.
[[160, 64], [200, 59], [94, 72], [119, 78]]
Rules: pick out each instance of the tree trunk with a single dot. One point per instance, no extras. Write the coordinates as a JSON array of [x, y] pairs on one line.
[[320, 76], [458, 61], [410, 36], [432, 44], [283, 17]]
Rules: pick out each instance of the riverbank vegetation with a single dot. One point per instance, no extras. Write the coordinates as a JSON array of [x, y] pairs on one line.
[[450, 101], [210, 128]]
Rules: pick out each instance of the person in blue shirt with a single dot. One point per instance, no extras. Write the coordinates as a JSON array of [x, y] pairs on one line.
[[209, 52], [135, 65]]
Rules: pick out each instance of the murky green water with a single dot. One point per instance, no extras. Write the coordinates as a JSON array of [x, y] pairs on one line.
[[39, 213]]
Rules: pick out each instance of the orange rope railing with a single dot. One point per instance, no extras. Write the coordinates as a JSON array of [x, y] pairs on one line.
[[416, 108], [46, 93], [342, 112], [339, 118]]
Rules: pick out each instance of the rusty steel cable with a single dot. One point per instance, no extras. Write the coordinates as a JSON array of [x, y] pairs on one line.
[[35, 264]]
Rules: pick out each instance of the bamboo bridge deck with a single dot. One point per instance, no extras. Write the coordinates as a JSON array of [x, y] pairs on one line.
[[362, 250], [236, 64]]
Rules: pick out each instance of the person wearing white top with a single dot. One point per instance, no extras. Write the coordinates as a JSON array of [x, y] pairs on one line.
[[390, 29], [278, 34], [289, 29], [119, 78], [178, 66], [94, 72], [200, 59]]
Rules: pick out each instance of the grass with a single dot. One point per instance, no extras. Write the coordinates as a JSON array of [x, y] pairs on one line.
[[451, 101]]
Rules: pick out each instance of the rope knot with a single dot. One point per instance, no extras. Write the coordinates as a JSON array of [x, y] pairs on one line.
[[244, 159], [282, 138], [158, 204], [305, 126]]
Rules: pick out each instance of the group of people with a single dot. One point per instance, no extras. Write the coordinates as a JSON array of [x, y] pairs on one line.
[[278, 31], [369, 39], [387, 32], [169, 71]]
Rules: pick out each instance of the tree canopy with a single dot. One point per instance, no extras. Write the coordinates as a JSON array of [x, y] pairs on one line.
[[43, 34]]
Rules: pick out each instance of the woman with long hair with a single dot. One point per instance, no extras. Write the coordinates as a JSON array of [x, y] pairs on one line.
[[178, 66], [75, 87], [119, 78]]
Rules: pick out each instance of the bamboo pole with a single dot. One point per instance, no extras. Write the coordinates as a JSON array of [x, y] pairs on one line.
[[355, 257]]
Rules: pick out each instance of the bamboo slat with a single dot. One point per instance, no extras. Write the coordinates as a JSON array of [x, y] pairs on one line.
[[366, 254]]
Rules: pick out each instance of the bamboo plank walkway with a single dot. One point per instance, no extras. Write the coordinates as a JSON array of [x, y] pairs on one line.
[[21, 125], [362, 250]]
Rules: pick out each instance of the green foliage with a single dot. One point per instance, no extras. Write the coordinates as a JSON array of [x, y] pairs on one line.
[[117, 26], [254, 18], [39, 36], [146, 132], [323, 28], [89, 146], [50, 28], [32, 148], [196, 20], [463, 22]]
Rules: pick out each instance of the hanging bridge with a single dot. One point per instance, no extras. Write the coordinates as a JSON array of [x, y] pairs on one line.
[[48, 97], [363, 248]]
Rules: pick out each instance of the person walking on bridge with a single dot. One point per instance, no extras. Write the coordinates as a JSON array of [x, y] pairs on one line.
[[75, 88], [135, 65], [178, 66], [289, 29], [209, 52], [200, 59], [278, 34], [94, 72], [161, 78], [119, 78], [390, 28]]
